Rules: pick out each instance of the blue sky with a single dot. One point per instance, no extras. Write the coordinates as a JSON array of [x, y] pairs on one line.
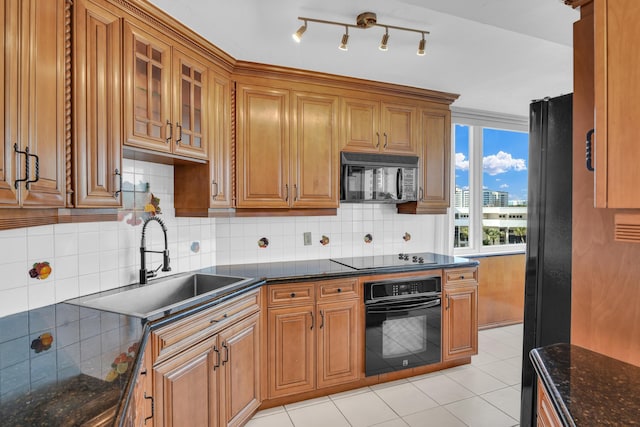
[[505, 160]]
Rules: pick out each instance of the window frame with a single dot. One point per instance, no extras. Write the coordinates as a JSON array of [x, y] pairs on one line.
[[478, 120]]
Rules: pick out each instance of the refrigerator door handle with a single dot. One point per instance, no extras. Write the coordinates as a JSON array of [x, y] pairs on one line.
[[588, 153]]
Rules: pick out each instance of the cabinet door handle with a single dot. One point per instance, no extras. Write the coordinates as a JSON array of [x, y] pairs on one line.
[[179, 127], [217, 351], [118, 179], [378, 137], [26, 165], [295, 192], [385, 140], [421, 195], [321, 319], [152, 408], [286, 190], [311, 313], [214, 194], [29, 181], [169, 132], [339, 290], [588, 150], [212, 321], [226, 353], [293, 295], [447, 306]]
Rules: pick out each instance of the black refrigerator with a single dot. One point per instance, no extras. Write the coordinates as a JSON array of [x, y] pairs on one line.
[[547, 301]]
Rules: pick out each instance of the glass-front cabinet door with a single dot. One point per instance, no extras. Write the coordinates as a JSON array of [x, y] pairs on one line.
[[147, 91], [190, 78]]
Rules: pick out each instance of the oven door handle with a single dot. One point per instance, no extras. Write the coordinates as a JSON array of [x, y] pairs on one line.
[[387, 308]]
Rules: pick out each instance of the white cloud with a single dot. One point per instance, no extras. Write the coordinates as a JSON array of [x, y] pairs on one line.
[[461, 162], [504, 186], [502, 162]]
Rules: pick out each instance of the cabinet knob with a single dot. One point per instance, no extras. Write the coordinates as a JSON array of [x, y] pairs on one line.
[[339, 290], [461, 277], [293, 294]]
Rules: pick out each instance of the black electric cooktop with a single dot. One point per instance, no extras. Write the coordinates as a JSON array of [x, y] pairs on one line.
[[387, 261]]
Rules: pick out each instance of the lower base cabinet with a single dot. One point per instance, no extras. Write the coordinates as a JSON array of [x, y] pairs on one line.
[[546, 414], [460, 314]]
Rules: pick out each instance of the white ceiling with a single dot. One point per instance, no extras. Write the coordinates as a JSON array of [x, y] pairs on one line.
[[497, 54]]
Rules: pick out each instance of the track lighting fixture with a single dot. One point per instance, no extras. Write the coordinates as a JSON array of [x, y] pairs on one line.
[[345, 40], [421, 45], [385, 40], [363, 21], [297, 36]]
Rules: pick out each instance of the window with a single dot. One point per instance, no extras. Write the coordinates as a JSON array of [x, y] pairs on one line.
[[490, 193]]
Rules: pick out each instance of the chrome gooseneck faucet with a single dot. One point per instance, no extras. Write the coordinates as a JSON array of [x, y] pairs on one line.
[[144, 274]]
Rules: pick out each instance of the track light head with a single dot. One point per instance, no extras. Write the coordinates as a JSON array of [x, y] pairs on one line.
[[345, 40], [421, 46], [385, 40], [297, 36]]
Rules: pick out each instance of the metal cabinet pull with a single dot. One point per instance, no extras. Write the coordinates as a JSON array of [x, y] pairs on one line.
[[588, 150], [311, 313], [385, 140], [214, 194], [117, 178], [152, 407], [26, 167], [321, 319], [179, 127], [226, 353], [286, 189], [421, 198], [293, 295], [170, 132], [378, 137], [212, 321], [339, 290], [295, 192], [30, 181], [447, 306], [217, 365]]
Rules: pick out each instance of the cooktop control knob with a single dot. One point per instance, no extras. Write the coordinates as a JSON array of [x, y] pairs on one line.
[[420, 260], [414, 259], [400, 255], [406, 257]]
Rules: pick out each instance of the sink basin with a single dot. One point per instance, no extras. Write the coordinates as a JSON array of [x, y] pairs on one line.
[[164, 295]]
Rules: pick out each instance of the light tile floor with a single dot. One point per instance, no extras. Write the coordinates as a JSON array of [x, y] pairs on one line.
[[484, 393]]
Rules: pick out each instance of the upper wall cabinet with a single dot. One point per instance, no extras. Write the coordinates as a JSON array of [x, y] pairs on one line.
[[372, 126], [617, 91], [33, 160], [97, 106], [165, 94]]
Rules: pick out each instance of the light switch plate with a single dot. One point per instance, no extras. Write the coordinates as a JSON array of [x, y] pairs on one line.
[[307, 238]]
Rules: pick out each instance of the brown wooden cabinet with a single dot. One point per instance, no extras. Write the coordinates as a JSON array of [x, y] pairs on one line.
[[460, 313], [140, 410], [374, 126], [546, 414], [33, 160], [313, 336], [207, 366], [165, 97], [97, 106], [617, 176]]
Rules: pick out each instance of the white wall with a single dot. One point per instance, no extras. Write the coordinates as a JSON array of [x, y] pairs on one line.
[[91, 257]]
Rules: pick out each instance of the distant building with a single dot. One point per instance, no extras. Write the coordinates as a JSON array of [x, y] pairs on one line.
[[490, 198]]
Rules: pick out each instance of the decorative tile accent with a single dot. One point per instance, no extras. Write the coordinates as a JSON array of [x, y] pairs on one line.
[[122, 363], [195, 247], [368, 238], [138, 203], [40, 270], [42, 343], [263, 242], [324, 241], [406, 237]]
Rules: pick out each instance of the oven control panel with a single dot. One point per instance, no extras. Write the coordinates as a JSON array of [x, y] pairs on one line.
[[402, 288]]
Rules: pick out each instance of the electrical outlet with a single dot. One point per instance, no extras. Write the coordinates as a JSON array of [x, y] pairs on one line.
[[307, 238]]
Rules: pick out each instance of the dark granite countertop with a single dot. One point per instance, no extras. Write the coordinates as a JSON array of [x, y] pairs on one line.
[[588, 388], [66, 364]]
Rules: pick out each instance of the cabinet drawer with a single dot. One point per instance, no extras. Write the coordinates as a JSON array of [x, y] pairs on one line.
[[183, 333], [332, 289], [461, 276], [295, 293]]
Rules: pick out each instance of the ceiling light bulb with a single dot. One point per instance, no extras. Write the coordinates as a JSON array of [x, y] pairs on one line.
[[345, 40], [421, 47], [385, 40], [297, 36]]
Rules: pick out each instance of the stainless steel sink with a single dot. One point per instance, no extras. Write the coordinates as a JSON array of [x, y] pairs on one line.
[[164, 295]]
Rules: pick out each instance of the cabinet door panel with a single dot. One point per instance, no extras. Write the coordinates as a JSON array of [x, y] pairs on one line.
[[220, 155], [185, 388], [314, 159], [147, 69], [240, 395], [97, 106], [398, 129], [291, 343], [190, 106], [361, 124], [460, 322], [338, 347], [263, 148], [42, 102], [436, 148]]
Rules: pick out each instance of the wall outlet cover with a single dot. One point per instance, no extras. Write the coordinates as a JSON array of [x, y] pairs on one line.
[[307, 238]]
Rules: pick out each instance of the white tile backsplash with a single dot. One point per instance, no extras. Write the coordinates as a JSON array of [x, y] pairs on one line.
[[91, 257]]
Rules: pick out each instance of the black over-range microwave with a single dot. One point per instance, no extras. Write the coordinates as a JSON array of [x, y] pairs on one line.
[[378, 178]]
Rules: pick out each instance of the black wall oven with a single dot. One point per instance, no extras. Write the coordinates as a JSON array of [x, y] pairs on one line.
[[403, 323]]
